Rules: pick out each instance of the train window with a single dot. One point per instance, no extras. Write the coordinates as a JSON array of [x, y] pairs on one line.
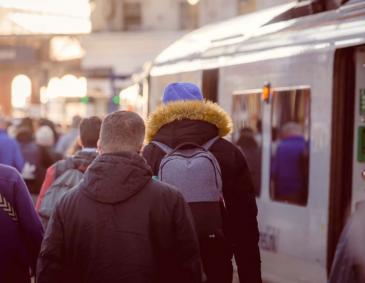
[[247, 133], [290, 146]]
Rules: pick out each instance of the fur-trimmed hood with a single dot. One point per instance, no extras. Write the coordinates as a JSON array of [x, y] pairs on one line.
[[188, 110]]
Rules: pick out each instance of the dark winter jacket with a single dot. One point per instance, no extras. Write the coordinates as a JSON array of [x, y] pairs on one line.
[[198, 122], [119, 225], [20, 235], [10, 153], [252, 152], [81, 160]]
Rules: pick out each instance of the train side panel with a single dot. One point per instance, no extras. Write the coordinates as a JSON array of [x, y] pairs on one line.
[[296, 235]]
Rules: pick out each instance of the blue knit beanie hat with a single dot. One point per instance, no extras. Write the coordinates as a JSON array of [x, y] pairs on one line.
[[181, 91]]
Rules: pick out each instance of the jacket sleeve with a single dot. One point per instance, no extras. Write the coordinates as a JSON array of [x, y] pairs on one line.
[[242, 211], [187, 247], [48, 180], [29, 223], [50, 262]]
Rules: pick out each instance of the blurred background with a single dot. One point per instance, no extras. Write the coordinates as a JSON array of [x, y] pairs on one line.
[[61, 58]]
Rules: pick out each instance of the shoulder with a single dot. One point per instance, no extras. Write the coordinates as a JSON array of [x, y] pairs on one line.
[[231, 151], [69, 201], [10, 180], [224, 144], [62, 166], [12, 142], [9, 174], [164, 191], [149, 148]]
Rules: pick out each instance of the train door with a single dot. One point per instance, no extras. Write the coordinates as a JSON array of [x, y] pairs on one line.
[[348, 141], [358, 177]]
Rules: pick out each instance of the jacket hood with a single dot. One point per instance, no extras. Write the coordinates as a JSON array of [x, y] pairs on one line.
[[116, 177], [204, 111], [82, 159]]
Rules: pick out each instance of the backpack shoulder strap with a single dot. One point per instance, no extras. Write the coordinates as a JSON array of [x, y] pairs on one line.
[[63, 165], [209, 143], [165, 148]]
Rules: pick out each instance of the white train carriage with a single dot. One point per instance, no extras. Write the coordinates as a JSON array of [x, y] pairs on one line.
[[315, 66]]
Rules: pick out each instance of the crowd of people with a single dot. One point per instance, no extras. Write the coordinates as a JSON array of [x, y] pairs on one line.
[[106, 202], [121, 200]]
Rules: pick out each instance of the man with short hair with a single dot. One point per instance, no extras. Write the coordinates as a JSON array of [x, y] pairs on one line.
[[118, 224], [88, 138], [10, 153]]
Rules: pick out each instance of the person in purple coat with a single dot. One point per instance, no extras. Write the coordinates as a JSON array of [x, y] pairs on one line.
[[290, 165], [21, 232], [10, 153]]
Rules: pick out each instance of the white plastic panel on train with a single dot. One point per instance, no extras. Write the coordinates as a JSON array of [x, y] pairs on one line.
[[226, 32]]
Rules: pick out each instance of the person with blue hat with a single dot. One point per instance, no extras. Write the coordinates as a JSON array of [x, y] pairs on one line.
[[181, 91], [185, 117]]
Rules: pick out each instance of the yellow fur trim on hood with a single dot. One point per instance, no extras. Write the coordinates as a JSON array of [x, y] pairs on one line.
[[193, 110]]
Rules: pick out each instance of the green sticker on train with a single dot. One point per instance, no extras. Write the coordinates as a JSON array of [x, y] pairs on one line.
[[362, 101]]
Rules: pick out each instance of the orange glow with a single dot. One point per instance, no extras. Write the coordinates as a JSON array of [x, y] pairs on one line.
[[266, 93]]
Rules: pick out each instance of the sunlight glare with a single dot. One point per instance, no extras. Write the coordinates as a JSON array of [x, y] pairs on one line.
[[21, 89]]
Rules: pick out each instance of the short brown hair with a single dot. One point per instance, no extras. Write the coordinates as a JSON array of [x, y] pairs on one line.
[[89, 131], [122, 131]]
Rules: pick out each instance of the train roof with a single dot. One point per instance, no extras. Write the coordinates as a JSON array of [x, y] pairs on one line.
[[255, 37]]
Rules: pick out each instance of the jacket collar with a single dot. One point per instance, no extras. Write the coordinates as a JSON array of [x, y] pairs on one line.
[[115, 177], [188, 110]]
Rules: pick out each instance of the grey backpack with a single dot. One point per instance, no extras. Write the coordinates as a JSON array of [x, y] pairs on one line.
[[56, 191], [195, 172]]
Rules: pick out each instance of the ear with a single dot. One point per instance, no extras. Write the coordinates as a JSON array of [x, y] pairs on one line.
[[99, 149]]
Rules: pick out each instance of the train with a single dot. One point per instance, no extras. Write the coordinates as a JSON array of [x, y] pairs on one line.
[[267, 70]]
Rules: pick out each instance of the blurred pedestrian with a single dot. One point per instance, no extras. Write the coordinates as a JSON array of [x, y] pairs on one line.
[[185, 119], [66, 140], [89, 134], [74, 147], [37, 157], [120, 225], [290, 165], [44, 138], [46, 122], [10, 153], [21, 231], [252, 151]]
